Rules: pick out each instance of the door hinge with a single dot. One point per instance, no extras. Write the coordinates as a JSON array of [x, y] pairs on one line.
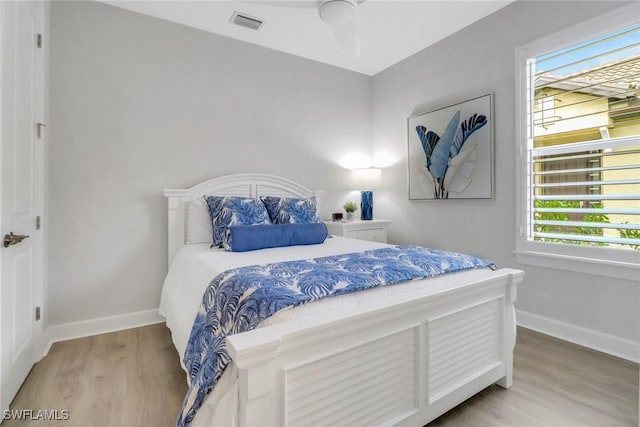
[[37, 313], [38, 222], [39, 40]]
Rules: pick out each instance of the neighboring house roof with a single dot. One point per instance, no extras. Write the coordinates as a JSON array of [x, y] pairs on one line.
[[617, 79]]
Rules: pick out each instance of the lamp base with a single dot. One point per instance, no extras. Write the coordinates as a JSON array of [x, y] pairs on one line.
[[366, 206]]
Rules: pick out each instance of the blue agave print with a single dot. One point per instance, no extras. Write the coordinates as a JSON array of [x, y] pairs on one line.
[[214, 203], [441, 152], [231, 210], [246, 211], [239, 299], [285, 210]]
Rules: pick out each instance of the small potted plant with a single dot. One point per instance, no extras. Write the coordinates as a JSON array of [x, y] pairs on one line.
[[350, 208]]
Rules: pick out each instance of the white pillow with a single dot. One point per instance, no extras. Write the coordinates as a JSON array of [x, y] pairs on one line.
[[198, 222]]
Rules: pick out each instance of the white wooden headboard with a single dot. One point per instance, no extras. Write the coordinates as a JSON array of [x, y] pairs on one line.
[[243, 184]]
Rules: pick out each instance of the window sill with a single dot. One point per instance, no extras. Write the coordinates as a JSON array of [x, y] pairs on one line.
[[580, 264]]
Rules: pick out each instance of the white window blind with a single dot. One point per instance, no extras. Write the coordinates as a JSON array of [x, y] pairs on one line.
[[587, 193], [583, 149]]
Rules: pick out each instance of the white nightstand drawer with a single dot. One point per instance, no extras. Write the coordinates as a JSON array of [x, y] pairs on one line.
[[375, 234], [374, 230]]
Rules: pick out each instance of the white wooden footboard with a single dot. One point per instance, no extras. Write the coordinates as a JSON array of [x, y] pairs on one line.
[[402, 362]]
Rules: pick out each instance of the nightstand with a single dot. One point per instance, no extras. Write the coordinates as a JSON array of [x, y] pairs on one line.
[[374, 230]]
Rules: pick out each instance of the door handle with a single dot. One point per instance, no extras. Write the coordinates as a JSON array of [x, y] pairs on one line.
[[12, 239]]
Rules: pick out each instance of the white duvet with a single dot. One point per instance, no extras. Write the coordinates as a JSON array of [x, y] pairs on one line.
[[195, 265]]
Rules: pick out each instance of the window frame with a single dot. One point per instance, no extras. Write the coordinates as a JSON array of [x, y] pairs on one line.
[[609, 262]]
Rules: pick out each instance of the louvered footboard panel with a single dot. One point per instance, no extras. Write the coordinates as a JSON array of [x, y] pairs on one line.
[[402, 363], [373, 383], [462, 346]]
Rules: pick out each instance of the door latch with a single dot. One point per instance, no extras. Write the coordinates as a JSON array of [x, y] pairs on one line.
[[12, 239]]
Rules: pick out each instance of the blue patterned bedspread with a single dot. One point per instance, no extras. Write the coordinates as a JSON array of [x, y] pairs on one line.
[[239, 299]]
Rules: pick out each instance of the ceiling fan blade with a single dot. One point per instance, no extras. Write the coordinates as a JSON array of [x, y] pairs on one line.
[[301, 4], [347, 37], [296, 4]]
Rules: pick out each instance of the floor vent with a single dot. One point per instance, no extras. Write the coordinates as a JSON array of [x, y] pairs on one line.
[[246, 21]]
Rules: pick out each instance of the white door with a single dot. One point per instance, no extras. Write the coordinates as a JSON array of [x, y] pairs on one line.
[[21, 172]]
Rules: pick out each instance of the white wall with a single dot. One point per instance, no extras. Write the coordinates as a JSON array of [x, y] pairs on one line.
[[138, 105], [475, 61]]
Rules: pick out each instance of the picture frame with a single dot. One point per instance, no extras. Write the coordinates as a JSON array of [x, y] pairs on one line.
[[451, 151]]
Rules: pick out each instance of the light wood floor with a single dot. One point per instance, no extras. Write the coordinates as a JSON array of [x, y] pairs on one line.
[[133, 378], [127, 378]]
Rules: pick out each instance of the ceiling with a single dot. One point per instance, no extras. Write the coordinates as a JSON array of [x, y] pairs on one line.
[[389, 30]]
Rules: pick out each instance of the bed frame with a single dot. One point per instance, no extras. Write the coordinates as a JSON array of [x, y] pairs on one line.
[[402, 361]]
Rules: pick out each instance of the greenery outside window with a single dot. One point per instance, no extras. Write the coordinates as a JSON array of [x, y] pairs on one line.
[[579, 132]]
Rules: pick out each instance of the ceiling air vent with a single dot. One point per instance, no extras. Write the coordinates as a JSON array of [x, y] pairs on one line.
[[246, 21]]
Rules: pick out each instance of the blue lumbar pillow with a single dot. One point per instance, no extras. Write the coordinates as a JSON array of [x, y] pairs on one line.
[[242, 238]]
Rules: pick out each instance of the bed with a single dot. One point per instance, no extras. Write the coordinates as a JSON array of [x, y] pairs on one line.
[[396, 355]]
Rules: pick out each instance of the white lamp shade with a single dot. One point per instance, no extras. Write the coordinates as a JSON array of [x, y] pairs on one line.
[[366, 179]]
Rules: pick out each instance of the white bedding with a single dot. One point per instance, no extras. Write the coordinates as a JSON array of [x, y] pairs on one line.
[[195, 265]]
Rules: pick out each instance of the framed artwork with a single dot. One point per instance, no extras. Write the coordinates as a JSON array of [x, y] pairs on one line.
[[451, 152]]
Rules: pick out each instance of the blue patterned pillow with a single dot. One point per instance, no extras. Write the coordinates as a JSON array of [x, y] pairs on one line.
[[214, 203], [289, 210], [231, 210]]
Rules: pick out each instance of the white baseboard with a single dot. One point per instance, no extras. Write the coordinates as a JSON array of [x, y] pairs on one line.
[[606, 343], [610, 344], [101, 325]]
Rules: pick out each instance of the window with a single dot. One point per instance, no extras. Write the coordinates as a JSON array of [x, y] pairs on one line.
[[579, 166]]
